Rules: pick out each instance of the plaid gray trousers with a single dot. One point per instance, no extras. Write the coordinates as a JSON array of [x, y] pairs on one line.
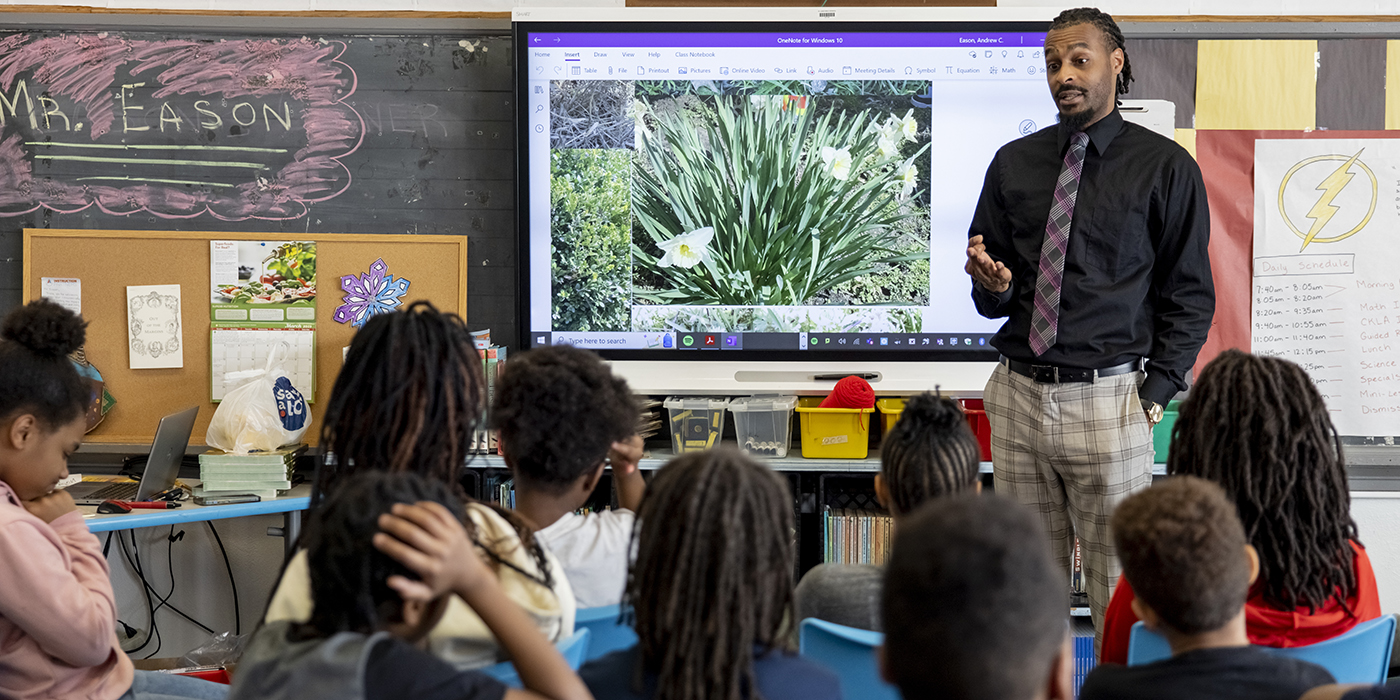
[[1072, 452]]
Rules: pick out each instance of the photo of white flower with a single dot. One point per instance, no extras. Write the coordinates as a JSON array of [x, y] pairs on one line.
[[688, 249]]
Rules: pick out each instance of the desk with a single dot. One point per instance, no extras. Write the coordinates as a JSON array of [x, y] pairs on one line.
[[290, 505]]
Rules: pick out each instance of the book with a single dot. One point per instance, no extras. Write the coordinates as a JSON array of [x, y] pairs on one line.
[[856, 536]]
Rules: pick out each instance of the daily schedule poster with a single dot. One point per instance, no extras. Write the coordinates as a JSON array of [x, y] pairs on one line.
[[1327, 271]]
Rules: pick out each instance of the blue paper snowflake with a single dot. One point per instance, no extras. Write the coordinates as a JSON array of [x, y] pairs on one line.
[[375, 292]]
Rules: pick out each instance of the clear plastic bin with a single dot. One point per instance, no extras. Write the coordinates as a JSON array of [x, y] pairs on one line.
[[834, 433], [696, 422], [763, 424]]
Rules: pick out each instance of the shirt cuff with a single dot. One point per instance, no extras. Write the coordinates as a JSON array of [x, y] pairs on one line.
[[1157, 388], [999, 297]]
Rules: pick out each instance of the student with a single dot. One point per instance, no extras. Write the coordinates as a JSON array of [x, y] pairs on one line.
[[1258, 428], [930, 453], [1185, 551], [975, 606], [377, 596], [563, 416], [409, 398], [711, 590], [57, 611]]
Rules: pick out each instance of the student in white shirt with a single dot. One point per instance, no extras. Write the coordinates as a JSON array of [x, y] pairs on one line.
[[563, 416]]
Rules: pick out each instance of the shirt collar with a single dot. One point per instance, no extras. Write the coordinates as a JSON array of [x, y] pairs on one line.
[[8, 494], [1100, 133]]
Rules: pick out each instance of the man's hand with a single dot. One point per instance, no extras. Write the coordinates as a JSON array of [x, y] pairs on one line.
[[51, 506], [428, 539], [994, 276]]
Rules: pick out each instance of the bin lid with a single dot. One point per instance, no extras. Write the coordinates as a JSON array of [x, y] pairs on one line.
[[744, 404], [695, 403]]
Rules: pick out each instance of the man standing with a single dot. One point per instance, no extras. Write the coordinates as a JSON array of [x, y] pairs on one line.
[[1090, 239]]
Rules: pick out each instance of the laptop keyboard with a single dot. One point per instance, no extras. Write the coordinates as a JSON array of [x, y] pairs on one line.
[[124, 491]]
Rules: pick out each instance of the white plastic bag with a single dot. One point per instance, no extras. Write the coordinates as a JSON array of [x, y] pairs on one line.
[[263, 411]]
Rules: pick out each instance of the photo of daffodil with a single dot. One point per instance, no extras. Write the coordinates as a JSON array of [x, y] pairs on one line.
[[778, 200]]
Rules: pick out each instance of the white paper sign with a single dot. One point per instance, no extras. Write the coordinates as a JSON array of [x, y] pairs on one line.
[[64, 291], [155, 334], [1327, 272]]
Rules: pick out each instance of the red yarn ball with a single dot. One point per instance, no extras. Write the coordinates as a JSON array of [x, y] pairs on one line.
[[850, 392]]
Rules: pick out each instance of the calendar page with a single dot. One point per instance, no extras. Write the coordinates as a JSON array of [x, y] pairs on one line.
[[245, 347]]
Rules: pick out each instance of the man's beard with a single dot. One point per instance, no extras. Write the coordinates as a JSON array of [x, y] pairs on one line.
[[1076, 121]]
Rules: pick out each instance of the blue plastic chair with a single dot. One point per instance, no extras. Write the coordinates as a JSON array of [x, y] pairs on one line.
[[606, 633], [1362, 655], [850, 652], [574, 650]]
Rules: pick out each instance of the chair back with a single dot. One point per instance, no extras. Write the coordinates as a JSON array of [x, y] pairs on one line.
[[607, 634], [850, 653], [574, 649], [1362, 655]]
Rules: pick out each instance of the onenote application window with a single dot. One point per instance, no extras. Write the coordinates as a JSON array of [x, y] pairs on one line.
[[768, 189]]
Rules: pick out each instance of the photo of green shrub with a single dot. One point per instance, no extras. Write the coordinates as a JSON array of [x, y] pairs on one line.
[[590, 229], [779, 199]]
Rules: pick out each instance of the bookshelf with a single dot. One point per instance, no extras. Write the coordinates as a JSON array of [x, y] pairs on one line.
[[656, 458]]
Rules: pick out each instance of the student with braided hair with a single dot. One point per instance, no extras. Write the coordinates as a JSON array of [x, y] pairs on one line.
[[711, 590], [409, 397], [930, 453], [1258, 427]]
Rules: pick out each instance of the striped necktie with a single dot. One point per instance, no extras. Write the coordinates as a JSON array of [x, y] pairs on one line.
[[1045, 319]]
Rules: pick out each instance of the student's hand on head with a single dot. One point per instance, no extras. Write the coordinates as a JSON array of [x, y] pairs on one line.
[[51, 506], [992, 275], [428, 539], [625, 454]]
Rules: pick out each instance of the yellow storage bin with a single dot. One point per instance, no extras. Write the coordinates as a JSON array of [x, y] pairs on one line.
[[889, 412], [834, 433]]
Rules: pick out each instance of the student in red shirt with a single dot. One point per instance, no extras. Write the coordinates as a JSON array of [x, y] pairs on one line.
[[1259, 428]]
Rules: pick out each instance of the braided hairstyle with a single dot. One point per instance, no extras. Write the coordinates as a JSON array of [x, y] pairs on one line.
[[930, 452], [349, 575], [409, 398], [36, 376], [713, 575], [1113, 36], [1259, 428]]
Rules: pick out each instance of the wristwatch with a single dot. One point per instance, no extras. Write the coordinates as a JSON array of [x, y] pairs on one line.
[[1154, 411]]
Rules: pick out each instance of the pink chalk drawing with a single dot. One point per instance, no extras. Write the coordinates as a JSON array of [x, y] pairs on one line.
[[375, 292], [85, 78]]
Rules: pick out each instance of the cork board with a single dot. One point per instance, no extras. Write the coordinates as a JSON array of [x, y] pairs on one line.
[[108, 261]]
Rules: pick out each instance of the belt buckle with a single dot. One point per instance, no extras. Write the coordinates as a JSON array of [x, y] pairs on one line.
[[1045, 374]]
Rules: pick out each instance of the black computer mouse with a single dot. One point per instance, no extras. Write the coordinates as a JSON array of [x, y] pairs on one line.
[[112, 507]]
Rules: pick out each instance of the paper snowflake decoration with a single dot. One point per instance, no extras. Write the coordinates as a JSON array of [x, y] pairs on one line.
[[374, 292]]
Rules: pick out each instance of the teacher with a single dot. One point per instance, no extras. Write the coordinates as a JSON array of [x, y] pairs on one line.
[[1090, 239]]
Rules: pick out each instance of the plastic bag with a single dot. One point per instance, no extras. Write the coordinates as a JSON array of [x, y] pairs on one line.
[[220, 650], [262, 411]]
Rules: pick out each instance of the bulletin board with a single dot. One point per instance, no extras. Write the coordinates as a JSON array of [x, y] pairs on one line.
[[108, 261]]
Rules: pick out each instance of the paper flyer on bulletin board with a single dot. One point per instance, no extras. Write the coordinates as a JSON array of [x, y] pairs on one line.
[[1327, 271], [262, 293]]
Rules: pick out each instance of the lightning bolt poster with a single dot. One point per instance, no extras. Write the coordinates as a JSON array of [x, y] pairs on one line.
[[1326, 289]]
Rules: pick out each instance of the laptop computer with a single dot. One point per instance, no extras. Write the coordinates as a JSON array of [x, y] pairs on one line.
[[162, 467]]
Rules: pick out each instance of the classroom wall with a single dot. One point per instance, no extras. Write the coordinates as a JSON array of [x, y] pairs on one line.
[[1376, 521]]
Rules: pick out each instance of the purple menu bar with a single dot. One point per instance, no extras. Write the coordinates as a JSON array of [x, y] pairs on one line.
[[716, 40]]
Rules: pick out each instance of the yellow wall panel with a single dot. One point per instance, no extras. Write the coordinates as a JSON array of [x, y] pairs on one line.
[[1256, 84], [1187, 139], [1392, 84]]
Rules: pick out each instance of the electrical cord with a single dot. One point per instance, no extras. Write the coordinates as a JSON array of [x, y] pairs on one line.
[[150, 611], [237, 616], [164, 600]]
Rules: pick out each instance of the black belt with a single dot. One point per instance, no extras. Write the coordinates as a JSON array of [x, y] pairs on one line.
[[1050, 374]]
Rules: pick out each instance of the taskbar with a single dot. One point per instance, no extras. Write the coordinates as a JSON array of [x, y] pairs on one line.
[[722, 341]]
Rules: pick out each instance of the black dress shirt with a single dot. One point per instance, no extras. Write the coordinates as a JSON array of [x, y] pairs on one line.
[[1137, 278]]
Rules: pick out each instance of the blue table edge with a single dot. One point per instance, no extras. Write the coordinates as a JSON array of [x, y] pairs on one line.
[[188, 514]]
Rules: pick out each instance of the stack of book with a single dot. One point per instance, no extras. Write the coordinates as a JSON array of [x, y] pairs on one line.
[[855, 536], [493, 358], [259, 473]]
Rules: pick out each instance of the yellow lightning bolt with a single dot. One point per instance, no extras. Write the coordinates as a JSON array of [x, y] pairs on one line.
[[1324, 210]]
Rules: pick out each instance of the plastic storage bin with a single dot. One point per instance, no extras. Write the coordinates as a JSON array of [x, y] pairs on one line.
[[1162, 432], [696, 422], [763, 424], [889, 412], [834, 433], [981, 427]]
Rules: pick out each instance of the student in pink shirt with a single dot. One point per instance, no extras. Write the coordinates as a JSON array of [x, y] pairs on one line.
[[57, 612]]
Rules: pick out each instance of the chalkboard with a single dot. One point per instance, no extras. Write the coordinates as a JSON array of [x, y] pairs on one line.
[[295, 133]]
